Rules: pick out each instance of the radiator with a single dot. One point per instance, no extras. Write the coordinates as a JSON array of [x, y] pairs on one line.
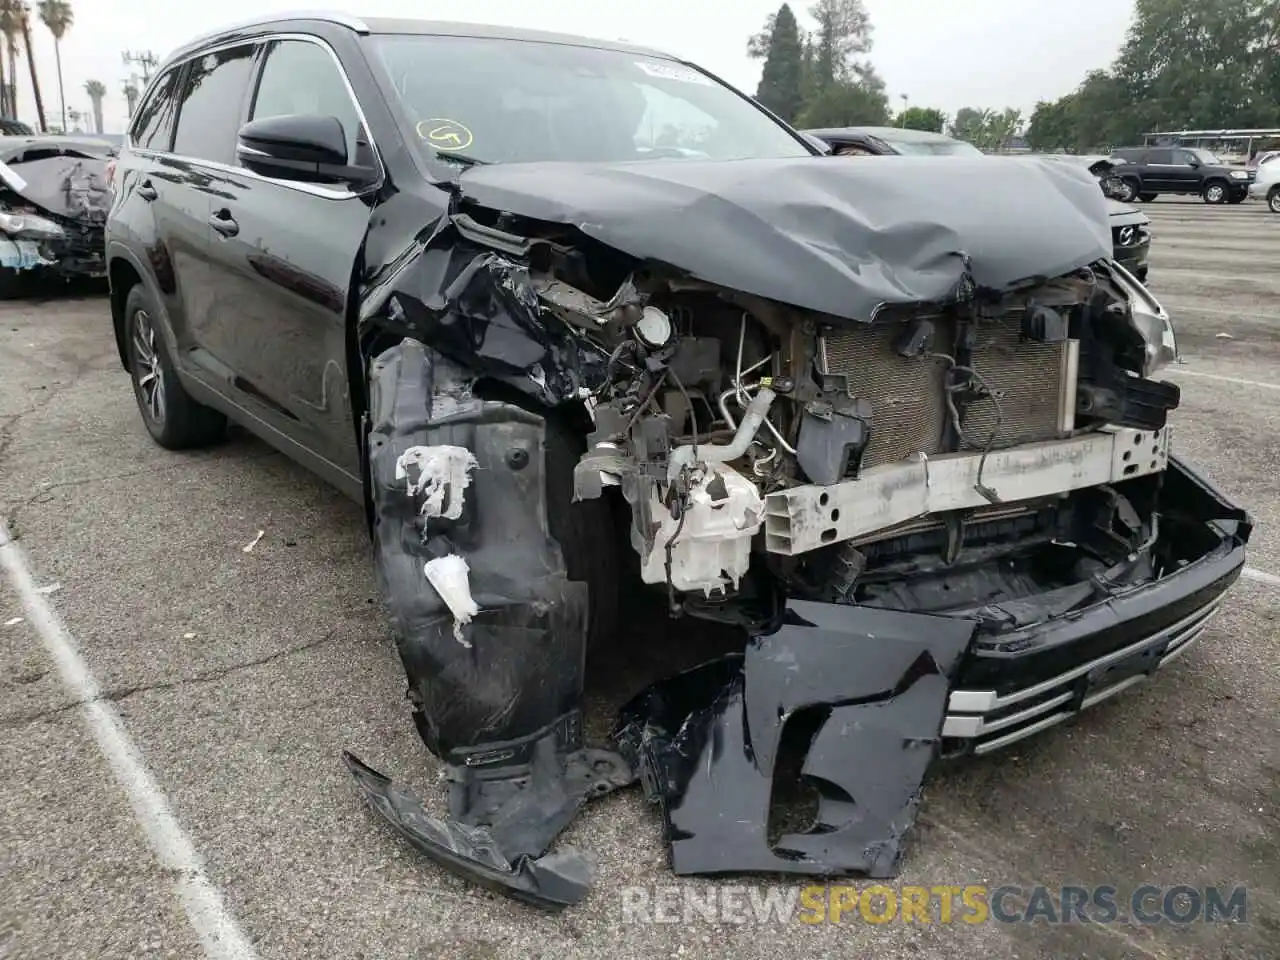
[[1033, 383]]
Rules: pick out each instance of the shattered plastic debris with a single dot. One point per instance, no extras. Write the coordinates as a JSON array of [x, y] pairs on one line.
[[448, 575], [848, 701], [443, 471], [248, 547]]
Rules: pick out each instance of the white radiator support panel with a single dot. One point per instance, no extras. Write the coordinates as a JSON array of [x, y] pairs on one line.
[[804, 518]]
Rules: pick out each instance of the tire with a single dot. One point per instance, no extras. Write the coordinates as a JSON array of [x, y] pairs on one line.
[[1147, 197], [174, 420], [1273, 199], [586, 531], [1215, 191], [1128, 189]]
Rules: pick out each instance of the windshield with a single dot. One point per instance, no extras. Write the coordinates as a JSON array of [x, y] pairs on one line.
[[507, 101], [934, 148]]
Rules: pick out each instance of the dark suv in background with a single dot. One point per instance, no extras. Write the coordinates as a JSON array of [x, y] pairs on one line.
[[1146, 172]]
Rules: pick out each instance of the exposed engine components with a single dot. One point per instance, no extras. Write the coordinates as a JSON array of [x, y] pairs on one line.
[[654, 327]]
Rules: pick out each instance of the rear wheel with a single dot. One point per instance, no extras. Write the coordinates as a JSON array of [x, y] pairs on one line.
[[1273, 198], [1215, 191], [171, 416], [1147, 197], [1127, 190]]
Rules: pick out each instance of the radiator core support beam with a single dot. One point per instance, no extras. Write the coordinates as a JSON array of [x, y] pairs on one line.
[[806, 517]]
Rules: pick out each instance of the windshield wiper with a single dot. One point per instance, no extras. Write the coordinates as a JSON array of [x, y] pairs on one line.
[[461, 158]]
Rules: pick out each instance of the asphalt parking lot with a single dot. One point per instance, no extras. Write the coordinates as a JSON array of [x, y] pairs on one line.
[[237, 676]]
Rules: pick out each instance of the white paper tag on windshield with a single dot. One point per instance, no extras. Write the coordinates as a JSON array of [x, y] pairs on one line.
[[664, 70]]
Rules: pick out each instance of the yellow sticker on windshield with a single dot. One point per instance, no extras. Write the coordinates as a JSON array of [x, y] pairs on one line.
[[444, 134]]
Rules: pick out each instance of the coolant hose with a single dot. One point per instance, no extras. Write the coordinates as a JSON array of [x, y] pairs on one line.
[[757, 410]]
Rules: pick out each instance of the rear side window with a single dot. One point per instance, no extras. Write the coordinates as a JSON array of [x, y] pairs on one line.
[[212, 101], [153, 125], [302, 77], [1160, 156]]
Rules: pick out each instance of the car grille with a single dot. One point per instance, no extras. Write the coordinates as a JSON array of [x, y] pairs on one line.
[[84, 239], [908, 396], [986, 721]]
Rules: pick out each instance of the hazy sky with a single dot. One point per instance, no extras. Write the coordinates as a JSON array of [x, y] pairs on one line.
[[991, 53]]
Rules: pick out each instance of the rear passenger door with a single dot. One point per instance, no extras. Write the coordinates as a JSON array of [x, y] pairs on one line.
[[212, 99], [1160, 175], [283, 257]]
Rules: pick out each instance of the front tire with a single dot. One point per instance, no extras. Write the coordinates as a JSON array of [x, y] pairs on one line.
[[1127, 190], [1215, 191], [174, 420], [1273, 199]]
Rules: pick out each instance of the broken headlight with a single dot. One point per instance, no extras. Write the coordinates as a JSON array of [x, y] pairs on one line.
[[1150, 320], [28, 226]]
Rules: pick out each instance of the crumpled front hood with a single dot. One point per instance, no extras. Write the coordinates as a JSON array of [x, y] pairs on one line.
[[833, 236]]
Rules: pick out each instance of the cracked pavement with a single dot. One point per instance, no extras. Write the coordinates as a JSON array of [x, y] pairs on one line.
[[242, 676]]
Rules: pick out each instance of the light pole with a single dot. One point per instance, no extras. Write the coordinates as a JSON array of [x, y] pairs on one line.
[[904, 110]]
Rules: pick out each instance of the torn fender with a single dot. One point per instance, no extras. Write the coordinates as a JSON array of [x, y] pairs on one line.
[[839, 238], [853, 697]]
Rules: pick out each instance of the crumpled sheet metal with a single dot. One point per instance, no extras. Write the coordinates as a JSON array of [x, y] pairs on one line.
[[68, 185], [480, 309], [816, 232], [867, 688]]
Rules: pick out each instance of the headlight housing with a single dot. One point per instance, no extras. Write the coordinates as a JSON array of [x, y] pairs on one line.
[[28, 226], [1150, 320], [1239, 174]]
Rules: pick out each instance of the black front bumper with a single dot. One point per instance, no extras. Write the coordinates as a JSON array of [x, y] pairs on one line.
[[1018, 683]]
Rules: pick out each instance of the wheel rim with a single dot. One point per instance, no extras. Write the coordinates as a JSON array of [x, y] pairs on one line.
[[1127, 191], [1215, 194], [148, 374], [1274, 202]]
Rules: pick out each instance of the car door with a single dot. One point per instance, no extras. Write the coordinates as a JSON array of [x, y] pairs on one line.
[[211, 101], [159, 211], [1190, 174], [284, 255], [1159, 173]]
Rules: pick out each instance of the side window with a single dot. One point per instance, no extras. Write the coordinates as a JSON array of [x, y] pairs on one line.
[[1185, 156], [213, 95], [153, 123], [302, 77], [1160, 156]]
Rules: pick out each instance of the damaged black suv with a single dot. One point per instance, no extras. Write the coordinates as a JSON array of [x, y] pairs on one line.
[[897, 423]]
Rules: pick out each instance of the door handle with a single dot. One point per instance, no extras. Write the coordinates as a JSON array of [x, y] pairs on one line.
[[146, 191], [224, 223]]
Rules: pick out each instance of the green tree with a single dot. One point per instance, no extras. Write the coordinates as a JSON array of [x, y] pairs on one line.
[[986, 129], [781, 82], [58, 17], [846, 105], [922, 118]]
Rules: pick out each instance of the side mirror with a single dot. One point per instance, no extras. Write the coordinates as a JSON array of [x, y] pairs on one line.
[[1194, 161], [306, 147]]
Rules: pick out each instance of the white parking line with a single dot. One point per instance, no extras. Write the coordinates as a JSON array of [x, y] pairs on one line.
[[216, 928], [1178, 371], [1261, 576]]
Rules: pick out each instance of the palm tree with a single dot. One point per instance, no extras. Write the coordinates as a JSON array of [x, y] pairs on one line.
[[131, 94], [96, 90], [11, 26], [31, 62], [57, 16]]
